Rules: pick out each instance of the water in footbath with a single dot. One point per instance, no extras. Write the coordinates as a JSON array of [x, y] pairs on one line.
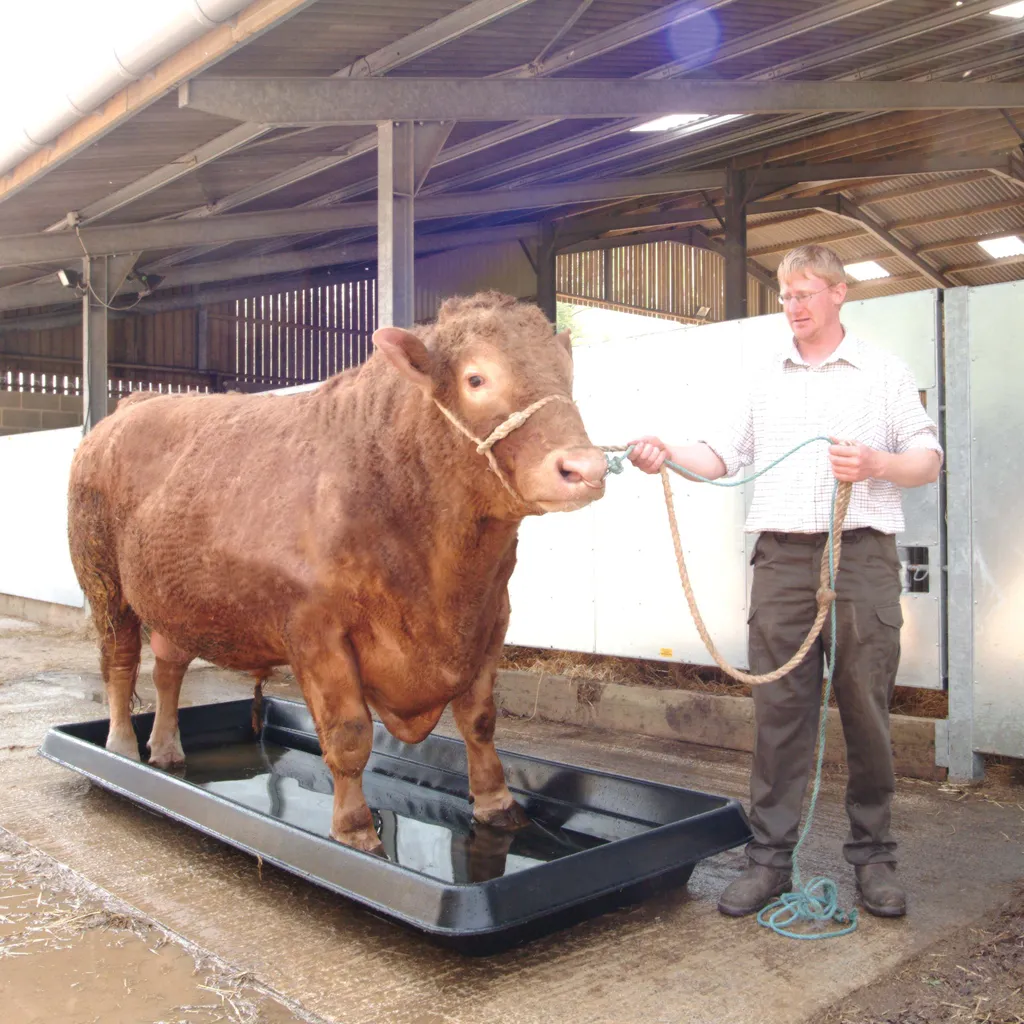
[[425, 829]]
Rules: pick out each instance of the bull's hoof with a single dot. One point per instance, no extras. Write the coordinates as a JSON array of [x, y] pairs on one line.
[[504, 818], [365, 839], [167, 754], [167, 759], [126, 746]]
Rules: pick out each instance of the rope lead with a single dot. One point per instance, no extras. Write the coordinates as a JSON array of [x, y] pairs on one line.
[[816, 902]]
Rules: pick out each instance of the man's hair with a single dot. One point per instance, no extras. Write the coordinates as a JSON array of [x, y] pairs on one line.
[[819, 260]]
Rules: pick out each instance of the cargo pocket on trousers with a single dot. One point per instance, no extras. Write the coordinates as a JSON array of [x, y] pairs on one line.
[[883, 653], [890, 615]]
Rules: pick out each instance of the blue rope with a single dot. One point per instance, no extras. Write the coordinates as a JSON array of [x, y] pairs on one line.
[[616, 464], [815, 902]]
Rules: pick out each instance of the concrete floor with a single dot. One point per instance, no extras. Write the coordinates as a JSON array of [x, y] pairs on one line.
[[674, 959]]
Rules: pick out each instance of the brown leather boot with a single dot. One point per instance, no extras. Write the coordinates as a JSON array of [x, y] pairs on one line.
[[754, 889], [879, 891]]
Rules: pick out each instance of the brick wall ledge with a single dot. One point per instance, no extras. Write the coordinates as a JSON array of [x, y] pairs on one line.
[[693, 717]]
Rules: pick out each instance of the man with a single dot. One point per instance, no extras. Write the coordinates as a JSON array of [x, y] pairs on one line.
[[825, 381]]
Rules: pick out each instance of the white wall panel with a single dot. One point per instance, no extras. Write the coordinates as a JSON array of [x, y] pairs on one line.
[[35, 561]]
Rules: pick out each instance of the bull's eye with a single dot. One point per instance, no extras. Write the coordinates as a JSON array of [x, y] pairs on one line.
[[475, 380]]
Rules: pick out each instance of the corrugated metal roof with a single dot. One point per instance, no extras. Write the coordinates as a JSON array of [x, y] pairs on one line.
[[330, 34]]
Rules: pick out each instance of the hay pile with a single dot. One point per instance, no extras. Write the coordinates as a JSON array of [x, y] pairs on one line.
[[664, 675]]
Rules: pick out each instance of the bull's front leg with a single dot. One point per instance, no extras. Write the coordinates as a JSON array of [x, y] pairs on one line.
[[329, 678], [476, 717]]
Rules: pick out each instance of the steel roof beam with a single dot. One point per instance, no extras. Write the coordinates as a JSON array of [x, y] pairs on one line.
[[50, 248], [47, 292], [853, 212], [796, 173], [583, 226], [683, 235], [203, 297], [332, 101], [429, 38]]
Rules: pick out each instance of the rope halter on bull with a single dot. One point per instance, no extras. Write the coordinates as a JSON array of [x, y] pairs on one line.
[[817, 901], [501, 431]]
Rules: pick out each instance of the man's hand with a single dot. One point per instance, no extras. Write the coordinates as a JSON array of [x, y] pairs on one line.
[[852, 462], [648, 454]]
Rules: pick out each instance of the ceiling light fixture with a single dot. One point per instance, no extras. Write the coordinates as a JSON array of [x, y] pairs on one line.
[[69, 278], [1009, 11]]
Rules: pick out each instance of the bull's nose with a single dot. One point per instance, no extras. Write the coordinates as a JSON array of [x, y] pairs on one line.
[[583, 466]]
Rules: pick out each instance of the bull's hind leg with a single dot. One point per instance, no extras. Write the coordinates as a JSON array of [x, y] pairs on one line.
[[165, 740], [327, 672], [476, 717], [93, 554], [120, 649]]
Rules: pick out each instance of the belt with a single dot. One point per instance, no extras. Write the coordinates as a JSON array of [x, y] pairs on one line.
[[819, 538]]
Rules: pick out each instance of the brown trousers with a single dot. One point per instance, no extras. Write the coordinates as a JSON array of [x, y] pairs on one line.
[[782, 609]]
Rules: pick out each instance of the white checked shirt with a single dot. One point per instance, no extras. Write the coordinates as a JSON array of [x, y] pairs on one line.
[[859, 393]]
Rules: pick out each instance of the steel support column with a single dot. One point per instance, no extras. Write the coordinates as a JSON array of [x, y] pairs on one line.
[[94, 342], [102, 276], [735, 245], [396, 189], [546, 257], [203, 337], [963, 763]]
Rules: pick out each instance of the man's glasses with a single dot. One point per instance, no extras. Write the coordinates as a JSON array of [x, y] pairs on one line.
[[800, 298]]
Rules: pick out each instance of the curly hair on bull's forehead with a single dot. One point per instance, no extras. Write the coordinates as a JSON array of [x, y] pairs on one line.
[[489, 313]]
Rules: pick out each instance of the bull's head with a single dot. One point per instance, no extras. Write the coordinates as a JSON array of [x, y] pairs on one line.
[[488, 357]]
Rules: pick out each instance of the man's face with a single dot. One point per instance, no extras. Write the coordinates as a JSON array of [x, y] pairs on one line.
[[811, 304]]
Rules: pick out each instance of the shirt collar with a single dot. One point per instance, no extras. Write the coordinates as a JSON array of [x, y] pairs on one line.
[[849, 351]]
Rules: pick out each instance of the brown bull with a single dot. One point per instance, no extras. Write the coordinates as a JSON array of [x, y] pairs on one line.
[[353, 532]]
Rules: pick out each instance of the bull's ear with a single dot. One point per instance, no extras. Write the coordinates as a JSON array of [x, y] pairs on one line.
[[406, 353]]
